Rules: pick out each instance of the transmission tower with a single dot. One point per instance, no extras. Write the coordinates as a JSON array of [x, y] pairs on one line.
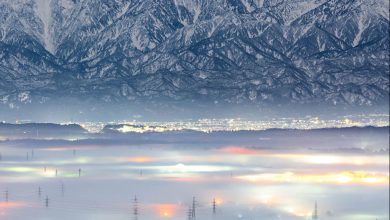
[[6, 194], [135, 208], [39, 192], [47, 202], [315, 213], [214, 207], [189, 213], [193, 216]]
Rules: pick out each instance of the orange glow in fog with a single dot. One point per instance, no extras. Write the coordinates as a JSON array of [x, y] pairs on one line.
[[11, 205], [140, 159], [329, 159], [218, 201], [331, 178], [239, 151], [165, 210]]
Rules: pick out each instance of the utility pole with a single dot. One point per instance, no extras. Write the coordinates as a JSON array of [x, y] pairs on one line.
[[39, 192]]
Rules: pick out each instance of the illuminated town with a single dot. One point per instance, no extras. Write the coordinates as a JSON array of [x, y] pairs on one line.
[[212, 125]]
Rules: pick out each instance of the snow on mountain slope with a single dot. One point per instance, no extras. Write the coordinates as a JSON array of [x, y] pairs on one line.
[[233, 51], [44, 14]]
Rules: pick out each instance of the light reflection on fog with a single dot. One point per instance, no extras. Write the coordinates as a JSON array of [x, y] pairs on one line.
[[84, 182]]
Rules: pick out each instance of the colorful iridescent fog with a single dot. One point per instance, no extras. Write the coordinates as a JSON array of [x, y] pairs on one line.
[[273, 174]]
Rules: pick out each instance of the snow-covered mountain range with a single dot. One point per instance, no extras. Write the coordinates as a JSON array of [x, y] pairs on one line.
[[226, 51]]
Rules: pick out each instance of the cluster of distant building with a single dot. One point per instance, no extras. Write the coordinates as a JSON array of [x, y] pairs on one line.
[[238, 124]]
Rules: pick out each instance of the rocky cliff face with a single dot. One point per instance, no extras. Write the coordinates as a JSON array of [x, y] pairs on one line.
[[226, 51]]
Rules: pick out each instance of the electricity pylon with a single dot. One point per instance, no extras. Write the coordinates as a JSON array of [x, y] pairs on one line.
[[135, 208], [315, 213]]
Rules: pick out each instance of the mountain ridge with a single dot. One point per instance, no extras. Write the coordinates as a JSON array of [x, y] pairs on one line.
[[229, 51]]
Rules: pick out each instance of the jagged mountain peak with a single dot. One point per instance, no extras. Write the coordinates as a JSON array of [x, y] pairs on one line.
[[234, 51]]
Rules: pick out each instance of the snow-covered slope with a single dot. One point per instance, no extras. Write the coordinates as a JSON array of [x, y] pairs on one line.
[[232, 51]]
